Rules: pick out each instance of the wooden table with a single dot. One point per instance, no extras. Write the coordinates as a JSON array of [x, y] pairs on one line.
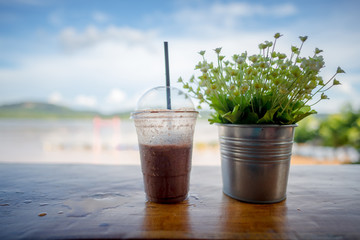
[[98, 201]]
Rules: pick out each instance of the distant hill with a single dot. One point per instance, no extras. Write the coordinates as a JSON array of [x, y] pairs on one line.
[[47, 110]]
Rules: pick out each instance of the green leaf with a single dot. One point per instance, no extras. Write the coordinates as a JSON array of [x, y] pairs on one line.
[[216, 118], [284, 118], [251, 118], [303, 38], [302, 116], [297, 105], [302, 110], [233, 115], [339, 70], [269, 116], [227, 116]]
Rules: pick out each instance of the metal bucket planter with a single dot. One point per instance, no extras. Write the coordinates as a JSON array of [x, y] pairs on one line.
[[255, 161]]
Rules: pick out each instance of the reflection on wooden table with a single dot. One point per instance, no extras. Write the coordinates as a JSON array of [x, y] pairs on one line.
[[94, 201]]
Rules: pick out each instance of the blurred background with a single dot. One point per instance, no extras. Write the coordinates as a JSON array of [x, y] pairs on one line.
[[72, 71]]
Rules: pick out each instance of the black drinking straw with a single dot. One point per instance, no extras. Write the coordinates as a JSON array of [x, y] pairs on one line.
[[168, 97]]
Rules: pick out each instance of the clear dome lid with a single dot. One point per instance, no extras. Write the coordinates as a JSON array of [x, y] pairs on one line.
[[156, 99]]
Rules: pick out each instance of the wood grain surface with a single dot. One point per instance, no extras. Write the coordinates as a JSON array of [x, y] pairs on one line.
[[107, 202]]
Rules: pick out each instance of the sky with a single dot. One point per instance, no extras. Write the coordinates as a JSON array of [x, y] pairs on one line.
[[103, 55]]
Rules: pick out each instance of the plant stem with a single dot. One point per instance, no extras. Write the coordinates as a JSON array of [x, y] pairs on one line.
[[322, 87]]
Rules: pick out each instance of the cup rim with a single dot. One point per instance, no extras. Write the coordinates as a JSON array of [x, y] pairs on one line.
[[155, 113]]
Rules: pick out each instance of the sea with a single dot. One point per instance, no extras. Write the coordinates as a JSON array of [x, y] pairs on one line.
[[114, 141], [88, 141]]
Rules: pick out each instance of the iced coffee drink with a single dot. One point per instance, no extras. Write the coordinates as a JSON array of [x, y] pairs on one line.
[[166, 171], [165, 145]]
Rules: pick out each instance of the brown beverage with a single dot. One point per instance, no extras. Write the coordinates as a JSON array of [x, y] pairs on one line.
[[166, 170]]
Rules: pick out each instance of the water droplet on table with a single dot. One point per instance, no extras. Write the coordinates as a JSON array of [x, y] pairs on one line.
[[195, 196]]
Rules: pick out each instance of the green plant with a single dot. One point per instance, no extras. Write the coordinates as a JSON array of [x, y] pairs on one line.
[[265, 88]]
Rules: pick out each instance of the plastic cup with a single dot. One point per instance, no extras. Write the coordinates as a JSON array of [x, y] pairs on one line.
[[165, 142]]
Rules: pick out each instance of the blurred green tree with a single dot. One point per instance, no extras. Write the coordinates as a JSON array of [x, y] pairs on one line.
[[307, 130], [341, 129]]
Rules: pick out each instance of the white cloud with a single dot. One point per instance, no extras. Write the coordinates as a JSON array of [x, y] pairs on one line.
[[55, 98], [100, 17], [283, 10], [55, 18], [115, 96], [71, 39], [86, 101], [243, 9], [215, 19]]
